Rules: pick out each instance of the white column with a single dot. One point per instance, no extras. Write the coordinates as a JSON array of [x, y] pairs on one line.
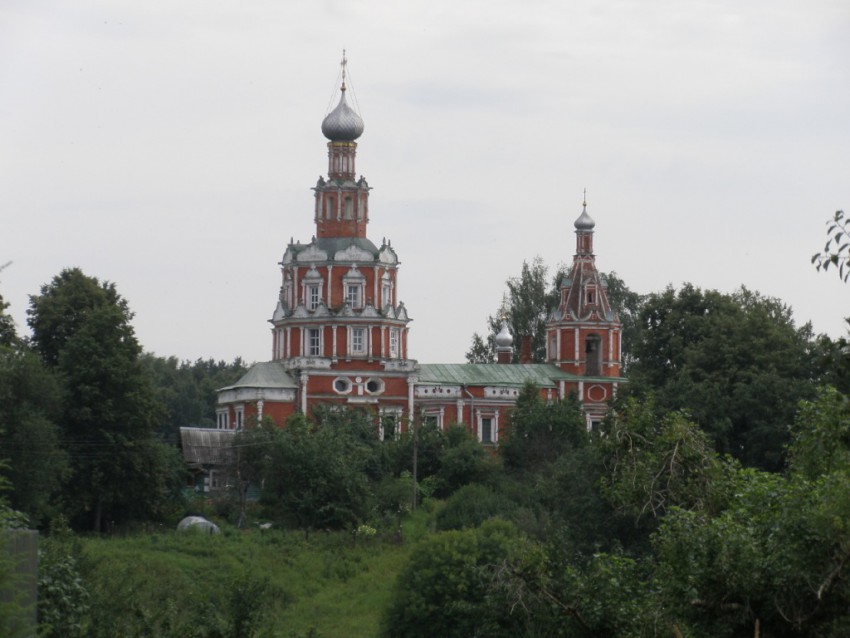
[[304, 379], [411, 383]]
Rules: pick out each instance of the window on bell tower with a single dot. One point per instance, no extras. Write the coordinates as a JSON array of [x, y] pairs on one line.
[[313, 296], [354, 288], [358, 341], [593, 356], [352, 295], [313, 342]]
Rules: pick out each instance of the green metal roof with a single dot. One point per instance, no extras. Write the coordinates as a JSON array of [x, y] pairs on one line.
[[544, 375], [333, 245], [269, 374]]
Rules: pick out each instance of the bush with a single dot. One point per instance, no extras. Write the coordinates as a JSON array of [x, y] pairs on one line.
[[473, 504]]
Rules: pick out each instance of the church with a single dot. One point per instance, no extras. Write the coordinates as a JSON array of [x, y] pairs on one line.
[[339, 330]]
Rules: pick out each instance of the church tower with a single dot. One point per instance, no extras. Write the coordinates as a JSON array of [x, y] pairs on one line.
[[583, 333], [338, 325]]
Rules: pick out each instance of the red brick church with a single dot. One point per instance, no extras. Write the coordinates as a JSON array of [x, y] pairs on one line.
[[340, 330]]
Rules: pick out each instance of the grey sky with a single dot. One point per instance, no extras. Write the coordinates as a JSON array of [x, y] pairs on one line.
[[170, 147]]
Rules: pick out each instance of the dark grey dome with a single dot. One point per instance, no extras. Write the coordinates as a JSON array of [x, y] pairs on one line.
[[342, 124]]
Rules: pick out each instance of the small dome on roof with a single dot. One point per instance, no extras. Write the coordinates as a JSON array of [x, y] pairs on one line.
[[504, 339], [343, 124], [584, 221]]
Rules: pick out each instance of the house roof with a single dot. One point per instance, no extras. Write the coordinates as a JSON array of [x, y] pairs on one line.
[[544, 375], [206, 446], [268, 374]]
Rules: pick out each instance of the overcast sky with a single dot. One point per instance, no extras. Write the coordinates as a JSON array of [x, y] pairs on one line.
[[170, 147]]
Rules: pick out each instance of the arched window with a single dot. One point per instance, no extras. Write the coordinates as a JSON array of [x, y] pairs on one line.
[[593, 356]]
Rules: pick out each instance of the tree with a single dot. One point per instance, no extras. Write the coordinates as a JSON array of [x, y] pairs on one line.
[[315, 475], [736, 363], [836, 251], [628, 305], [540, 431], [188, 390], [443, 590], [81, 329], [526, 308], [658, 462], [30, 407], [8, 334]]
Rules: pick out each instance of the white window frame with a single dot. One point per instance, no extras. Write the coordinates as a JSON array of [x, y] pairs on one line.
[[363, 335], [309, 350], [433, 415], [494, 425], [239, 416], [354, 295], [354, 280], [395, 341], [389, 413], [287, 291], [386, 292], [222, 418], [313, 296]]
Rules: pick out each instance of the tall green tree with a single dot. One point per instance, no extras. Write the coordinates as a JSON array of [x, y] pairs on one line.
[[8, 334], [736, 363], [81, 329], [528, 301], [30, 404], [30, 409]]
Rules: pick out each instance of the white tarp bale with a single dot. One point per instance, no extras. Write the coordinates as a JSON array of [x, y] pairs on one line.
[[198, 523]]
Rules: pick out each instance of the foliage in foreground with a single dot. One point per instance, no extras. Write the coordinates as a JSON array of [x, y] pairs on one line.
[[241, 584], [731, 551]]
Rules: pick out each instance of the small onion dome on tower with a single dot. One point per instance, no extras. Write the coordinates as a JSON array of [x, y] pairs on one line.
[[584, 221], [343, 124], [504, 345], [504, 339]]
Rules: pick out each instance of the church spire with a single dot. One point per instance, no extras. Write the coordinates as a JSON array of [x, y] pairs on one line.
[[584, 230], [342, 205]]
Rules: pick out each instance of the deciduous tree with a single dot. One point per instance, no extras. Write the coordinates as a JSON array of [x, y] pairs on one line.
[[81, 328], [736, 363]]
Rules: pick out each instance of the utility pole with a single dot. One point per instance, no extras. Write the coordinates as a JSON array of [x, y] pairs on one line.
[[415, 460]]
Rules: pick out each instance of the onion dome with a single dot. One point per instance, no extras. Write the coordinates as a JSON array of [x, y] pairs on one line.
[[504, 339], [584, 221], [342, 124]]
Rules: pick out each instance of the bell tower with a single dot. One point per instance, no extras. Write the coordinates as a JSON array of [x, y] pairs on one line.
[[342, 204], [339, 326], [583, 333]]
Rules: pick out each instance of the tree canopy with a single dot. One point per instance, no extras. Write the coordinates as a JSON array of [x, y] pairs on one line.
[[736, 363], [81, 330]]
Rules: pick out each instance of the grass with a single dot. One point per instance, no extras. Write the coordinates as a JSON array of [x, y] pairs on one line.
[[325, 586]]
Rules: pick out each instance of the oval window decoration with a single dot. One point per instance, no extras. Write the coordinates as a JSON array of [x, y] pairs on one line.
[[375, 386], [597, 393]]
